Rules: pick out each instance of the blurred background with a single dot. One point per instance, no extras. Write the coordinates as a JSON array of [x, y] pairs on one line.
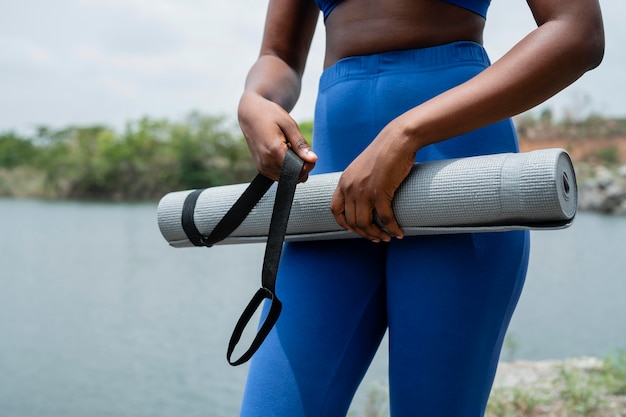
[[107, 105]]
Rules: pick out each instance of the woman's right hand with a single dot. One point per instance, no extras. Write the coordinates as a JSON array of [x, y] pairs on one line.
[[269, 131]]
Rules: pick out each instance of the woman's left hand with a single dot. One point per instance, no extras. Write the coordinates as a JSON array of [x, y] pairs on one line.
[[367, 186]]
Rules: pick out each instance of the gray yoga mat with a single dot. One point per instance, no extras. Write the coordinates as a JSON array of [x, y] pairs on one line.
[[532, 190]]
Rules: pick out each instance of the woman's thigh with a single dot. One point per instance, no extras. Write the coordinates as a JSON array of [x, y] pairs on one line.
[[450, 299], [333, 318]]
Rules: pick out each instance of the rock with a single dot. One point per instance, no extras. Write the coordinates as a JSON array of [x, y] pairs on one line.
[[603, 176], [603, 190]]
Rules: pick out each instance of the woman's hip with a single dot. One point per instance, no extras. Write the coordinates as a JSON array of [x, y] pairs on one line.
[[359, 95]]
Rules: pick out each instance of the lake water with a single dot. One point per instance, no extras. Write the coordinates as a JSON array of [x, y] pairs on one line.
[[100, 317]]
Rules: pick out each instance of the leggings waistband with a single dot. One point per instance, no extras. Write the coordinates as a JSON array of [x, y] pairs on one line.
[[414, 60]]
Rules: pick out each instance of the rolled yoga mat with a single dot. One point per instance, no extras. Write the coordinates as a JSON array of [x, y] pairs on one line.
[[512, 191]]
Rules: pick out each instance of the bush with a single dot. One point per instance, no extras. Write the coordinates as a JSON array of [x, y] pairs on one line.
[[148, 159]]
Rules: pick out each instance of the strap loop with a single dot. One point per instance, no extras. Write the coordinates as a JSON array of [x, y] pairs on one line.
[[289, 175], [268, 323], [233, 217]]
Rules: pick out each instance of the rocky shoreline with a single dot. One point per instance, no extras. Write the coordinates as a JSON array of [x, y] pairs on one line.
[[602, 189]]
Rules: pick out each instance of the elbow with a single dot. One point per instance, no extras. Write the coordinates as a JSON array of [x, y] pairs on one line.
[[593, 40], [577, 26], [582, 41], [594, 48]]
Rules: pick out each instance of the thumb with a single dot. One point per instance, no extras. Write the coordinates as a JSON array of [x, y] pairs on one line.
[[304, 151], [301, 147], [297, 142]]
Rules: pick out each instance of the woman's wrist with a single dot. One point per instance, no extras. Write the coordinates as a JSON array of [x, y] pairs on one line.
[[408, 136], [245, 102]]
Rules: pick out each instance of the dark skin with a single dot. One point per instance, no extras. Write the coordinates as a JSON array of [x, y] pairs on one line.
[[568, 41]]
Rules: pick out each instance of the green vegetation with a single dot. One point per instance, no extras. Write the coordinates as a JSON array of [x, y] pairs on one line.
[[597, 389], [593, 391], [306, 128], [608, 156], [148, 159]]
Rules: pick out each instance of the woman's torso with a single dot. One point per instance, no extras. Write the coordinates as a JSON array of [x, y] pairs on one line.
[[364, 27]]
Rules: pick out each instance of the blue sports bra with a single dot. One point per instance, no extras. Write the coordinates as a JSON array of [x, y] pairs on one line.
[[477, 6]]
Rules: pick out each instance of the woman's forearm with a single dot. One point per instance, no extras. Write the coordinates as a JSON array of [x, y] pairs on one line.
[[271, 78], [273, 86], [549, 59]]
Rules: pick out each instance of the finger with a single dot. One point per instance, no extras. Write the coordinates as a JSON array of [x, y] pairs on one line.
[[349, 213], [271, 166], [387, 219], [304, 151], [300, 146], [337, 207], [306, 169], [365, 225]]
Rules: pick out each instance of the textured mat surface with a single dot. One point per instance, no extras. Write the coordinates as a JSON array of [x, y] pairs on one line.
[[533, 190]]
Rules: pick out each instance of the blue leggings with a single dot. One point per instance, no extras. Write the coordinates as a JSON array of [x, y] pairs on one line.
[[445, 300]]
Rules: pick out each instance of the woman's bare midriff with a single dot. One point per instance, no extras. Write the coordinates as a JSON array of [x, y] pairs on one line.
[[365, 27]]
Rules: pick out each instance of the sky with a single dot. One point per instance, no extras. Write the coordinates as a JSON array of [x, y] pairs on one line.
[[82, 62]]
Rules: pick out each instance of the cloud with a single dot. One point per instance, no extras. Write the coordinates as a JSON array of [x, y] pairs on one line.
[[39, 54], [110, 61], [119, 87]]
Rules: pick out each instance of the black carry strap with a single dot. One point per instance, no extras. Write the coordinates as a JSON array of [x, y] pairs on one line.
[[289, 175], [233, 217]]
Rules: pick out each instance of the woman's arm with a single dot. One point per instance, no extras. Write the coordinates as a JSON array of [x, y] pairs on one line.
[[568, 42], [273, 86]]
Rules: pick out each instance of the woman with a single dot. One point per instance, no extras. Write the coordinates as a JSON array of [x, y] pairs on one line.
[[404, 81]]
